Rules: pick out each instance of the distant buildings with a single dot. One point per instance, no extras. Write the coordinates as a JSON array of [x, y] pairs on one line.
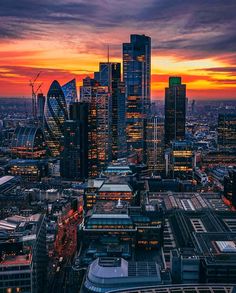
[[182, 159], [55, 115], [137, 79], [175, 110], [227, 132]]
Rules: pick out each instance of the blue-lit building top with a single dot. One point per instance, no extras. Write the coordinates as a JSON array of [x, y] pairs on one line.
[[70, 92]]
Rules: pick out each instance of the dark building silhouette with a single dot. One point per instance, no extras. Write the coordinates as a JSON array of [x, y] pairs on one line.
[[227, 132], [137, 77], [70, 156], [175, 110], [79, 113]]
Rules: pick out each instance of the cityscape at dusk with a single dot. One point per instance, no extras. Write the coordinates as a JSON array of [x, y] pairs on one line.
[[117, 146], [67, 39]]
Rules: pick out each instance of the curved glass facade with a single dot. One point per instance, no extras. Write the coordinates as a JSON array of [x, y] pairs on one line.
[[55, 115], [70, 92], [28, 142]]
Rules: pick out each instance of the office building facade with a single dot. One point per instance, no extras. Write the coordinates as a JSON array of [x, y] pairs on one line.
[[109, 75], [155, 145], [137, 77], [175, 110], [99, 125], [55, 115]]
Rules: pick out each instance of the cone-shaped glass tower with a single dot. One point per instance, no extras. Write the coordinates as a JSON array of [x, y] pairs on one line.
[[55, 115]]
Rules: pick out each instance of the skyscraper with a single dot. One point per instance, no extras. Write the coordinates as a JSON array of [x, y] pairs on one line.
[[70, 155], [227, 132], [109, 75], [79, 113], [175, 110], [70, 92], [137, 76], [99, 124], [155, 145], [55, 116]]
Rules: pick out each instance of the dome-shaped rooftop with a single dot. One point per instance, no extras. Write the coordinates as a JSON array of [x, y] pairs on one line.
[[55, 89]]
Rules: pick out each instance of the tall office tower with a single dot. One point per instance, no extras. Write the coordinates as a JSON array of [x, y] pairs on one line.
[[175, 110], [230, 187], [79, 114], [155, 145], [99, 124], [137, 77], [40, 108], [70, 155], [227, 132], [55, 116], [109, 75], [70, 92]]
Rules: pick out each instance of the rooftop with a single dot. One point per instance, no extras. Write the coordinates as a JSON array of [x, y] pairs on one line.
[[5, 179], [109, 187]]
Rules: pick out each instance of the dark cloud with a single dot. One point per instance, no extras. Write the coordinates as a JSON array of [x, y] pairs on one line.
[[220, 69], [197, 29]]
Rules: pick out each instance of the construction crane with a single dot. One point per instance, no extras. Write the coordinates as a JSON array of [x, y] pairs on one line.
[[32, 83]]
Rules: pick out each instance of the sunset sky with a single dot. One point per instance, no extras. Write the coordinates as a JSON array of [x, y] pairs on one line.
[[63, 39]]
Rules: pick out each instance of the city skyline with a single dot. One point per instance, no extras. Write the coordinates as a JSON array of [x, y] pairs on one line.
[[194, 40]]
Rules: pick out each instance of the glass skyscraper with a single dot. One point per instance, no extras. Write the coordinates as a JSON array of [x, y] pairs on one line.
[[175, 110], [109, 75], [155, 145], [99, 124], [137, 77], [70, 92], [55, 116]]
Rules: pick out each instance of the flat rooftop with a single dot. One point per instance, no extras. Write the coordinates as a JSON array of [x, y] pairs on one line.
[[109, 187], [5, 179]]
